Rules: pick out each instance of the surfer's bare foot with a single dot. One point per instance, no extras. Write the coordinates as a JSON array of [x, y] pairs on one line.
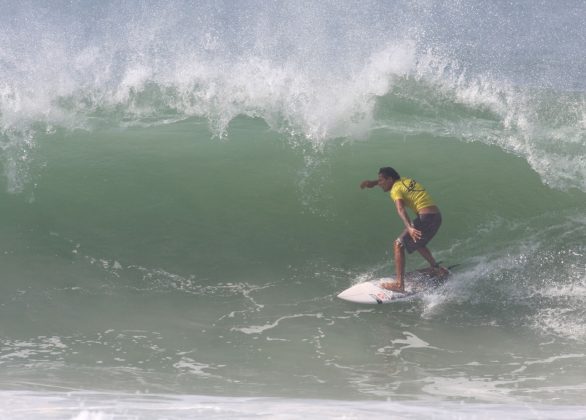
[[393, 286]]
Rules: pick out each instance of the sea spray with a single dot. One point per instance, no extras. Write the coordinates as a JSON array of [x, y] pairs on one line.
[[138, 64]]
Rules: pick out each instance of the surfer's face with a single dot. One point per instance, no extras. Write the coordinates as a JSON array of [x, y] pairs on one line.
[[385, 183]]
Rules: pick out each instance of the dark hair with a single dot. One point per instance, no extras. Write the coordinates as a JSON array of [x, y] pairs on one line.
[[389, 172]]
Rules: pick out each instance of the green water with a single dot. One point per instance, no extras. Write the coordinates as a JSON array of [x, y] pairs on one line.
[[165, 260]]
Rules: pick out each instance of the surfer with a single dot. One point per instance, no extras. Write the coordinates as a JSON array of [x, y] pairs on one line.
[[406, 192]]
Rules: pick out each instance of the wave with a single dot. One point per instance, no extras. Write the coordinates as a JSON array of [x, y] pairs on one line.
[[189, 199], [318, 72]]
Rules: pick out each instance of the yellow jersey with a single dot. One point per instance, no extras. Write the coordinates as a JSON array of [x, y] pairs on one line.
[[412, 193]]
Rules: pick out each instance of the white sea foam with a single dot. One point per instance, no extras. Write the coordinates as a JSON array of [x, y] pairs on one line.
[[410, 341], [258, 329], [104, 406]]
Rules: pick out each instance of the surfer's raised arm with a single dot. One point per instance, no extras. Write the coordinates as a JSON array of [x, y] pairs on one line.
[[368, 184]]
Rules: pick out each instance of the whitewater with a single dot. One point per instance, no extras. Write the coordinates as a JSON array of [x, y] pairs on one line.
[[180, 206]]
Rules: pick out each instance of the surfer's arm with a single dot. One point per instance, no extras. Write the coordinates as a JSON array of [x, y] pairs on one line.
[[414, 233], [368, 184]]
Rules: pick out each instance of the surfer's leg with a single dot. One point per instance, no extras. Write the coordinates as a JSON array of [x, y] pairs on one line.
[[429, 224], [398, 284], [399, 251], [426, 253], [436, 269]]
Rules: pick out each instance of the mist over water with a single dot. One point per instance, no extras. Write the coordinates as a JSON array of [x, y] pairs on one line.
[[180, 203]]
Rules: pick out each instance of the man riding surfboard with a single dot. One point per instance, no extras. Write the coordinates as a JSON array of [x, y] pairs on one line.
[[406, 192]]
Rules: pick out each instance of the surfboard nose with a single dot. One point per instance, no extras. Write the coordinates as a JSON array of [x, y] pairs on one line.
[[344, 295], [360, 293]]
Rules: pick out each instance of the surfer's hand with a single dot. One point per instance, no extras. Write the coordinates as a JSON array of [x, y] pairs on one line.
[[368, 184], [414, 233]]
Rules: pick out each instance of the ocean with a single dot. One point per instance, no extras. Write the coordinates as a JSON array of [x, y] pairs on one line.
[[180, 206]]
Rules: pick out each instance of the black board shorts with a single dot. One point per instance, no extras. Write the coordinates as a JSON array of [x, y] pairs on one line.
[[428, 224]]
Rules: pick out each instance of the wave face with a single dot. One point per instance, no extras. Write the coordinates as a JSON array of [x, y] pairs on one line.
[[180, 198]]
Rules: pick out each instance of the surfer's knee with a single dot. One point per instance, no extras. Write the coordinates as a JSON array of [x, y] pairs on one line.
[[398, 245]]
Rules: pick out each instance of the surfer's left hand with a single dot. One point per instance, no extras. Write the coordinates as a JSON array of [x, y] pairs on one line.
[[414, 233]]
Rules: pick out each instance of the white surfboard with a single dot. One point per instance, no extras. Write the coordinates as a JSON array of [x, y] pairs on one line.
[[371, 292]]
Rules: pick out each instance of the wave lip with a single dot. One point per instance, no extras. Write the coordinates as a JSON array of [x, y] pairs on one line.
[[395, 89]]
